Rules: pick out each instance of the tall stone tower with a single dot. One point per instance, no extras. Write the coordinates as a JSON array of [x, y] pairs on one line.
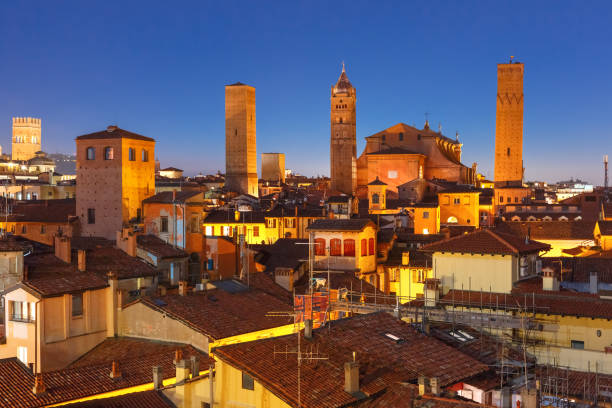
[[240, 139], [26, 138], [343, 149], [509, 125]]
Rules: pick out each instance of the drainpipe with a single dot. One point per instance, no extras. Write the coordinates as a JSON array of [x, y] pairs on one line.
[[36, 342]]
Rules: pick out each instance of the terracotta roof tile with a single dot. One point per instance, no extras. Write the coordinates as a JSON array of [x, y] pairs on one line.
[[159, 247], [549, 229], [144, 399], [52, 211], [219, 314], [605, 227], [487, 242], [382, 360], [168, 197], [108, 259], [16, 381], [114, 132]]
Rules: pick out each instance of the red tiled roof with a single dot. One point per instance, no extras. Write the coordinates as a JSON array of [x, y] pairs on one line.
[[16, 381], [49, 211], [487, 242], [50, 276], [108, 259], [530, 296], [10, 245], [382, 360], [114, 132], [159, 247], [126, 348], [219, 314], [578, 382], [354, 224], [168, 197], [144, 399], [549, 229], [605, 227]]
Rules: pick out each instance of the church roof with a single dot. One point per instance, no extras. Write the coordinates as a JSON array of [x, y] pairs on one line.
[[395, 150], [343, 82], [377, 182]]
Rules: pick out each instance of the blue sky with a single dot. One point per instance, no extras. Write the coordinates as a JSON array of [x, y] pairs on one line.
[[158, 68]]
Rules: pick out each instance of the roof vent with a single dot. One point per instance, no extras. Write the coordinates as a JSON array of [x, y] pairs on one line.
[[111, 128]]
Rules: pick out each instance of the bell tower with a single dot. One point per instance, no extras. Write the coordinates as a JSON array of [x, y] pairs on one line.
[[343, 148], [26, 138], [509, 125]]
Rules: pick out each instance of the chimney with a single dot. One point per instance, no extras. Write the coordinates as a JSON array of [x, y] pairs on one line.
[[182, 371], [182, 288], [62, 248], [82, 260], [308, 329], [195, 366], [432, 292], [178, 355], [158, 378], [39, 385], [115, 372], [549, 279], [173, 195], [26, 273], [405, 258], [434, 384], [351, 376], [593, 285], [422, 385]]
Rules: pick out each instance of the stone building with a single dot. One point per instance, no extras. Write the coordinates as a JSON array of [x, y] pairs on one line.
[[403, 153], [273, 167], [509, 125], [240, 139], [26, 138], [115, 172], [343, 149]]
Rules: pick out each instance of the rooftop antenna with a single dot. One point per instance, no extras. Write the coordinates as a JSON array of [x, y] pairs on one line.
[[457, 135], [439, 127], [343, 70], [426, 127]]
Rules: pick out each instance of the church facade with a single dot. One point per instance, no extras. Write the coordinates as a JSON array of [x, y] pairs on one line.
[[403, 153]]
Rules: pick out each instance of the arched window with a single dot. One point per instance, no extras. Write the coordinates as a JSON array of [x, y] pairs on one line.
[[91, 153], [335, 247], [364, 247], [452, 220], [349, 247], [145, 155], [131, 154], [371, 246], [108, 153], [320, 247], [375, 198], [563, 218]]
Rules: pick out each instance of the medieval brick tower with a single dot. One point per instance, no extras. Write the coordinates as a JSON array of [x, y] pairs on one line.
[[343, 149], [240, 139], [509, 125], [26, 138]]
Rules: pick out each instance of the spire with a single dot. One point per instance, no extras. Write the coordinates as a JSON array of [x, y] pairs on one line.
[[343, 83], [343, 70], [426, 127]]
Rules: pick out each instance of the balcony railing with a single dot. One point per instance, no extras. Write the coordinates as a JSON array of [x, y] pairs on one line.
[[21, 318]]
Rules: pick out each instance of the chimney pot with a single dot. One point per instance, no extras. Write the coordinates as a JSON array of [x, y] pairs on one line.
[[182, 371], [183, 288], [178, 356], [39, 385], [115, 373], [195, 366], [82, 260], [158, 378], [308, 329], [351, 377]]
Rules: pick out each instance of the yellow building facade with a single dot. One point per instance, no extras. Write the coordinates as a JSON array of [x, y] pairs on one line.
[[460, 207]]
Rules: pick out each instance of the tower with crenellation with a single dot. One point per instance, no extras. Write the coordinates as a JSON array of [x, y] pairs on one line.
[[343, 143], [26, 138], [509, 125]]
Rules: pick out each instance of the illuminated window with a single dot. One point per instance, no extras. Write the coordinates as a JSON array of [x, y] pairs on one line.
[[349, 247], [108, 153], [392, 174], [208, 230], [335, 247], [91, 153]]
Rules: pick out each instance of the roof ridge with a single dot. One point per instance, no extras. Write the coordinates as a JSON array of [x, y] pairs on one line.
[[503, 241]]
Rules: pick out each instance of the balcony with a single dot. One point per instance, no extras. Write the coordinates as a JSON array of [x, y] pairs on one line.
[[21, 318]]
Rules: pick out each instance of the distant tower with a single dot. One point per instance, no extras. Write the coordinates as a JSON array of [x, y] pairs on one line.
[[273, 167], [240, 139], [343, 149], [26, 138], [509, 125]]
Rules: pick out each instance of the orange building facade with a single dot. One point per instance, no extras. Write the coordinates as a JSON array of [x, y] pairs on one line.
[[115, 172]]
